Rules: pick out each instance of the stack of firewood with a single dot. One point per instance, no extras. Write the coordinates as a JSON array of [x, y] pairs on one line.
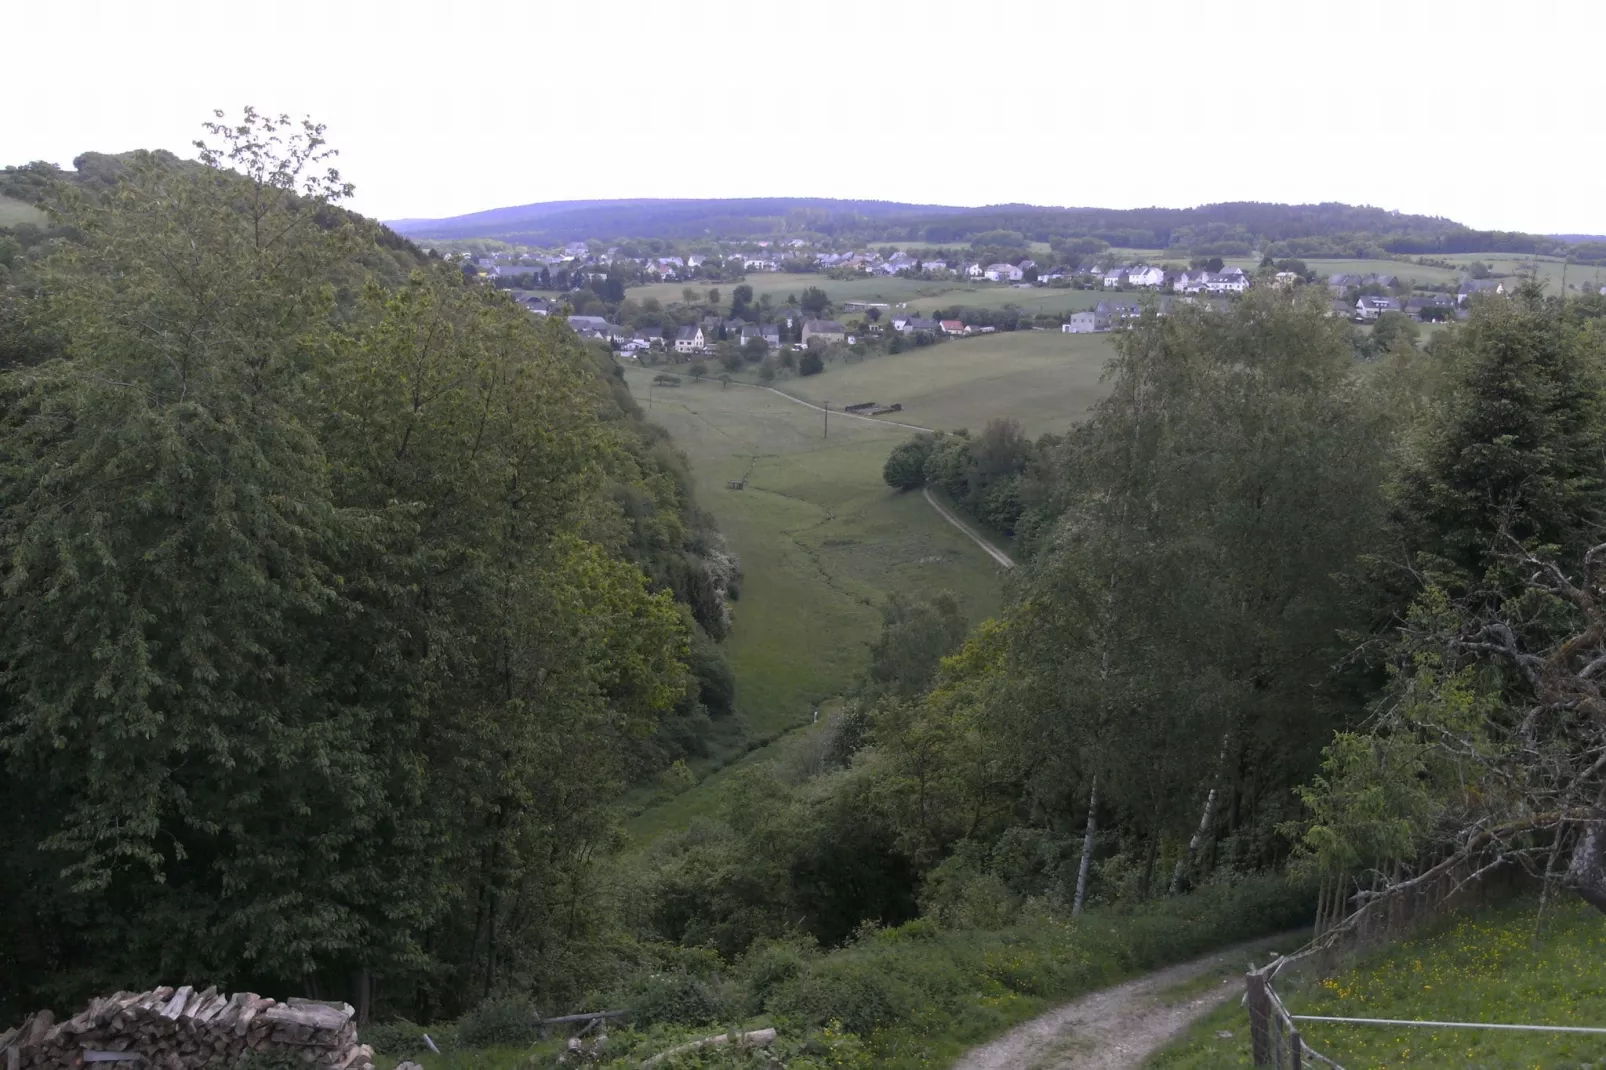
[[167, 1029]]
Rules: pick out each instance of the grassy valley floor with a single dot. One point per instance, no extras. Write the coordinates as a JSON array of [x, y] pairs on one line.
[[822, 542]]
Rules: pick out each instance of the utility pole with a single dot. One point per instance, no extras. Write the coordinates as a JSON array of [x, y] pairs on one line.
[[826, 405]]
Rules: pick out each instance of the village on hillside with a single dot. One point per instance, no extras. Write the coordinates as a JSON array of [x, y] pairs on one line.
[[565, 280]]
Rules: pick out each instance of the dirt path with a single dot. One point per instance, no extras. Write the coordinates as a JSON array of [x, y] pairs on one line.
[[964, 529], [1118, 1028]]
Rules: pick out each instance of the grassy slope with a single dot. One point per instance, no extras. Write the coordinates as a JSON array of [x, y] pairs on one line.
[[1486, 966], [822, 542], [1577, 276], [1045, 379], [14, 212]]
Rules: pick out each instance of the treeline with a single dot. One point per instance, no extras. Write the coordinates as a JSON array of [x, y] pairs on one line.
[[1259, 622], [1226, 229], [339, 601]]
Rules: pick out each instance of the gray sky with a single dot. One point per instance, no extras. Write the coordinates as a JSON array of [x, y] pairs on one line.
[[1489, 113]]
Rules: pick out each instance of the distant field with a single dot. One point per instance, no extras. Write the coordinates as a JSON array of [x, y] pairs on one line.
[[1044, 379], [778, 284], [14, 212], [917, 294], [822, 542], [821, 538], [1549, 269]]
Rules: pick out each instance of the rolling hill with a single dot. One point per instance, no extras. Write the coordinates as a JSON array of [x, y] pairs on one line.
[[1227, 229]]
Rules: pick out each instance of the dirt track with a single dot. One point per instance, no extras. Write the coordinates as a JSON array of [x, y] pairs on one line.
[[1120, 1027]]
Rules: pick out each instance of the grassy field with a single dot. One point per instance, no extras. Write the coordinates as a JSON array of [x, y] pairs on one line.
[[822, 542], [14, 212], [1045, 379], [778, 284], [1549, 269], [916, 293], [1494, 965]]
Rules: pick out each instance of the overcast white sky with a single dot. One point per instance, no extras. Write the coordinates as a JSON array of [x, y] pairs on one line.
[[1489, 113]]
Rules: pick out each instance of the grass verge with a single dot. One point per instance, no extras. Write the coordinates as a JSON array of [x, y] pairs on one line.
[[1492, 965]]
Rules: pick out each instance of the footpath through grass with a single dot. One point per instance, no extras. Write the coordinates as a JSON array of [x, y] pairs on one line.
[[922, 996], [1494, 965]]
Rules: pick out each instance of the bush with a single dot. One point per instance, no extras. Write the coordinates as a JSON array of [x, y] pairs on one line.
[[677, 997], [811, 363], [400, 1038], [906, 466], [499, 1020], [849, 989]]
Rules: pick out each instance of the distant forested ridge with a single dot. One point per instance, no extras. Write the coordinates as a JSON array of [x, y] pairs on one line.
[[1232, 228]]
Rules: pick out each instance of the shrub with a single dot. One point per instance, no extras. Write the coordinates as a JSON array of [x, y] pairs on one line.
[[400, 1038], [906, 466], [499, 1020], [677, 997], [851, 989], [811, 364]]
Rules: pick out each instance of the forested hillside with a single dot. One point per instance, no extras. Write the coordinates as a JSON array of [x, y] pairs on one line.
[[339, 598], [1229, 229]]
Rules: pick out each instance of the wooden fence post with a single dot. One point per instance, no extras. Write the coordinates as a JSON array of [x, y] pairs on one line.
[[1296, 1049], [1259, 1017]]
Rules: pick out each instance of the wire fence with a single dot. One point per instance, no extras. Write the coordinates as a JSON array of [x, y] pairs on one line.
[[1276, 1041]]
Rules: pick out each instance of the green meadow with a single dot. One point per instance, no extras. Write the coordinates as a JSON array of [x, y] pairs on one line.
[[1504, 964], [822, 542], [1045, 379], [917, 294]]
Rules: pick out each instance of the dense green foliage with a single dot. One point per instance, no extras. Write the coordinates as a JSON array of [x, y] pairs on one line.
[[336, 605]]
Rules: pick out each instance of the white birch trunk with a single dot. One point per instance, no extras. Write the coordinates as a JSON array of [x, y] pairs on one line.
[[1206, 819], [1087, 848]]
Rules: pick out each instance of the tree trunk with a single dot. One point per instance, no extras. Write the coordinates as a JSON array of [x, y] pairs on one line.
[[1087, 848], [1195, 841], [1586, 872], [1147, 882], [362, 984]]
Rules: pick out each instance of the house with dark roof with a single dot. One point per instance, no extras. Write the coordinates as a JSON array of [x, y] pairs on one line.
[[1370, 308], [768, 333], [1472, 287], [689, 339], [1433, 307], [826, 331]]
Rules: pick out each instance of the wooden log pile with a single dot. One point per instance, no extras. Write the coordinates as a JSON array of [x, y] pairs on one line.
[[182, 1029]]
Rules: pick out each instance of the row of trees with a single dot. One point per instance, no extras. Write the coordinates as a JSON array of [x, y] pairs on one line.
[[335, 614]]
